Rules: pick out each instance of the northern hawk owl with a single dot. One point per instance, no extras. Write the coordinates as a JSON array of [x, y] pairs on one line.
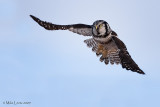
[[104, 42]]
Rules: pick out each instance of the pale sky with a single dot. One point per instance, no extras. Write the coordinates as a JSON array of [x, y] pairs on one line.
[[57, 69]]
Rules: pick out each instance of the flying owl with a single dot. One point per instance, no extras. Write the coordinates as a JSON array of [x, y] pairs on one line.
[[104, 42]]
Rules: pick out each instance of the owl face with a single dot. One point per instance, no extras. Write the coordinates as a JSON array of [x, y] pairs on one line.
[[101, 28]]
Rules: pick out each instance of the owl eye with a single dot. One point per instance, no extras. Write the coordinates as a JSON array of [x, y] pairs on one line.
[[100, 26]]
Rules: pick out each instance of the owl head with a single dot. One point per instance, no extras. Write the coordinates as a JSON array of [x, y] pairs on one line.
[[101, 28]]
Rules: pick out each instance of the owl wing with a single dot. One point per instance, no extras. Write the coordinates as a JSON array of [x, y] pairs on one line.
[[126, 60], [114, 51], [81, 29]]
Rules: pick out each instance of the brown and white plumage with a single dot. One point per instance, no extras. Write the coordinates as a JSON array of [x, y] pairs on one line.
[[114, 51], [104, 42], [81, 29]]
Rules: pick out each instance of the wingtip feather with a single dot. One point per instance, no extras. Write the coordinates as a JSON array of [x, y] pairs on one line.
[[34, 18]]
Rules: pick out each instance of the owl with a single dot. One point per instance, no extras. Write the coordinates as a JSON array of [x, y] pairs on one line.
[[104, 42]]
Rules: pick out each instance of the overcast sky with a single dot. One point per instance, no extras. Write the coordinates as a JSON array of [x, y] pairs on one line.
[[56, 68]]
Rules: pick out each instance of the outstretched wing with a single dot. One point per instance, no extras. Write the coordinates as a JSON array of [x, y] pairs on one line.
[[126, 60], [81, 29], [114, 51]]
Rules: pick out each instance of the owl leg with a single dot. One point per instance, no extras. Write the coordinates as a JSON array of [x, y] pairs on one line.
[[99, 49], [104, 53]]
